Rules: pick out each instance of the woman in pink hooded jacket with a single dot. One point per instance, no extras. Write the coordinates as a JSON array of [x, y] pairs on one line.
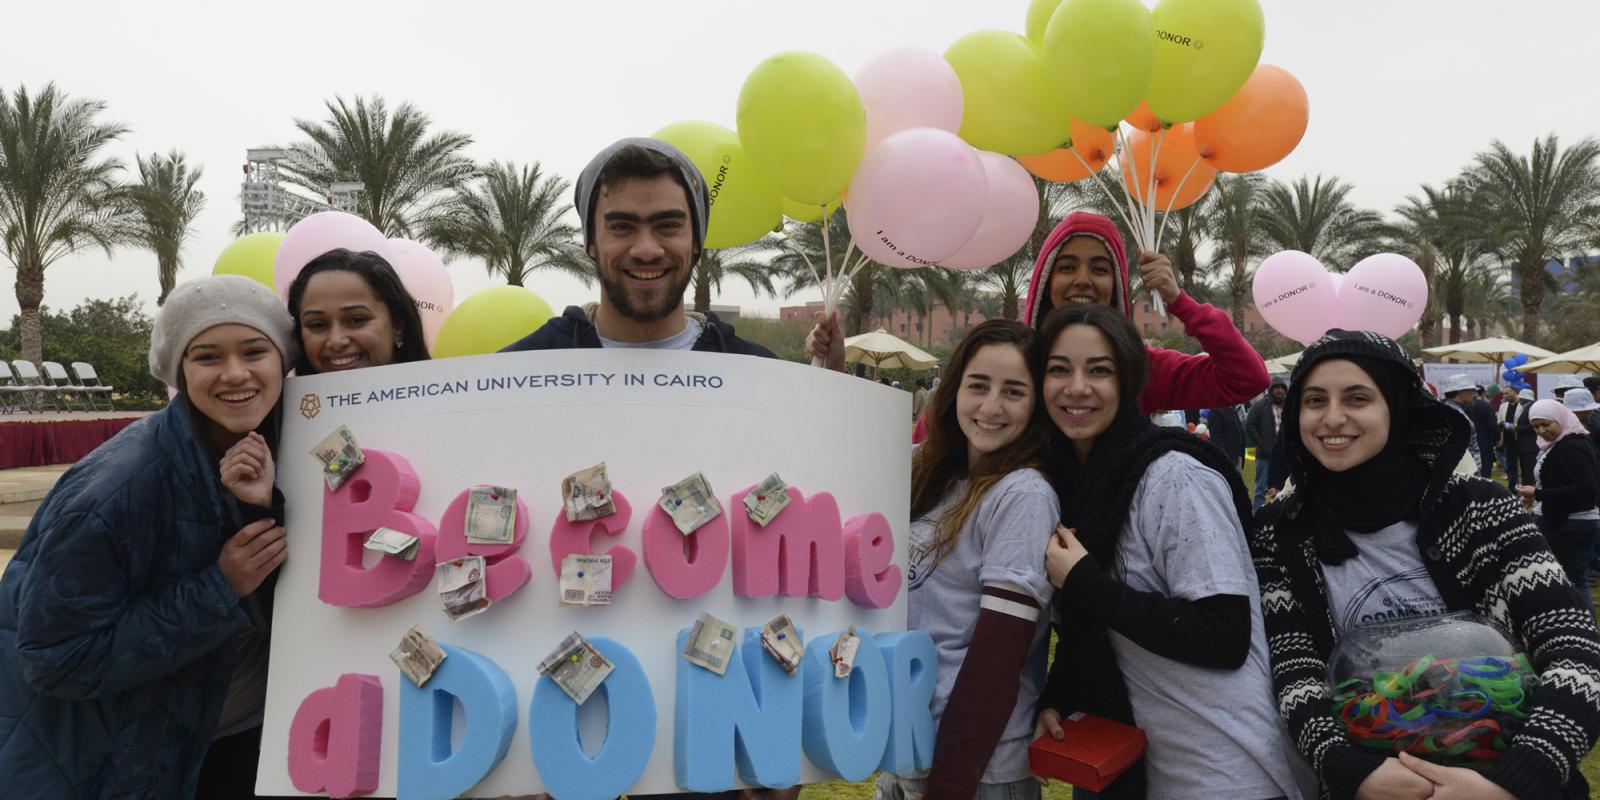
[[1084, 261]]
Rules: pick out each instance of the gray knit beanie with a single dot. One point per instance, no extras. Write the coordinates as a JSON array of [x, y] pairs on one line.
[[203, 303]]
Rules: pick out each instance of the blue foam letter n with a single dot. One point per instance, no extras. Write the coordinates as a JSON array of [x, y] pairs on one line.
[[847, 720], [428, 769], [750, 716]]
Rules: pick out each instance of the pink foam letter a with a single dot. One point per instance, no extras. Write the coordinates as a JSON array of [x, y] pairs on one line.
[[379, 495], [507, 570], [567, 538], [870, 576], [798, 554], [686, 566], [336, 737]]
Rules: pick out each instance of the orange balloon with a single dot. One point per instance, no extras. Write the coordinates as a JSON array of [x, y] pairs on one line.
[[1092, 144], [1143, 118], [1258, 126], [1178, 162]]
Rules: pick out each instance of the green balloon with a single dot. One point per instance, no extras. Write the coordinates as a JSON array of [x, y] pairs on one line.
[[1039, 12], [801, 120], [489, 320], [807, 212], [1010, 106], [250, 256], [1100, 54], [1205, 51], [744, 204]]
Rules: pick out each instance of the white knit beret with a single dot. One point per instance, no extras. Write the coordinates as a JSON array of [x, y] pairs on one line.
[[198, 305]]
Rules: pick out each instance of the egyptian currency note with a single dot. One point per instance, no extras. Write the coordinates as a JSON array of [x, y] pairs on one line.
[[462, 588], [586, 494], [340, 456], [586, 580], [782, 642], [710, 644], [843, 652], [491, 515], [767, 499], [691, 503], [577, 667], [417, 655], [391, 542]]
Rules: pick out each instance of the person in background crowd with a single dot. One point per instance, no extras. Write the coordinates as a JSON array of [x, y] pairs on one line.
[[1084, 260], [919, 398], [1592, 383], [1262, 423], [351, 311], [1566, 487], [1458, 392], [981, 515], [1378, 523], [1583, 406], [1227, 433], [135, 616], [1159, 617], [1485, 431], [1505, 415], [1527, 442], [1566, 383]]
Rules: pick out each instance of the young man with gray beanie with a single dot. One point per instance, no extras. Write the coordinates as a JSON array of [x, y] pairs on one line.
[[645, 209]]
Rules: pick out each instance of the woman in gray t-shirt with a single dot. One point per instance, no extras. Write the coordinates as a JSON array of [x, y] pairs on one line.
[[981, 516]]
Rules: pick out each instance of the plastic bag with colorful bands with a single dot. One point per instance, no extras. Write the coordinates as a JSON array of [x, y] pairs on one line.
[[1450, 688]]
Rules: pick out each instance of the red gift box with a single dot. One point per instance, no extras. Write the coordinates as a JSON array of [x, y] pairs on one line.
[[1095, 751]]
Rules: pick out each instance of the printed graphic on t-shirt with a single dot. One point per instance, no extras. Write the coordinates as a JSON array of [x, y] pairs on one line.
[[1403, 595], [919, 560]]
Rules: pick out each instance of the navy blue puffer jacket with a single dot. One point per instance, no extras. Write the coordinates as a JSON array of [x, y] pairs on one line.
[[113, 621]]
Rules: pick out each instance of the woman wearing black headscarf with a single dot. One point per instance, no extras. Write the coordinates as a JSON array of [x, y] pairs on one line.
[[1379, 528]]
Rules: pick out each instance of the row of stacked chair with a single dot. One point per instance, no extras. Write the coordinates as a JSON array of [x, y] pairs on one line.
[[22, 388]]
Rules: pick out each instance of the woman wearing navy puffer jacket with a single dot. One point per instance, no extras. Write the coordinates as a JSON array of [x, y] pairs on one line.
[[133, 618]]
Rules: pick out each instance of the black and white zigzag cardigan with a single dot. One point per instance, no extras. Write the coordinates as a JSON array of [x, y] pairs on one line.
[[1485, 555]]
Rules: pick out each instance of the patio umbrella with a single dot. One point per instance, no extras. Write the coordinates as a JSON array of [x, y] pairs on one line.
[[883, 350], [1495, 350], [1583, 359], [1283, 364]]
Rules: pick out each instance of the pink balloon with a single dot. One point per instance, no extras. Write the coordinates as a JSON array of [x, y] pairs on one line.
[[1295, 295], [424, 276], [908, 88], [1385, 293], [1010, 212], [315, 235], [917, 197]]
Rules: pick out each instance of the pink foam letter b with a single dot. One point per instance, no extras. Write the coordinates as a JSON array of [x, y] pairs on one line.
[[870, 576], [336, 737], [507, 570], [379, 495]]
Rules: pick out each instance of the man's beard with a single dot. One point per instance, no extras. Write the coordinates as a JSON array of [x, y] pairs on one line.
[[617, 294]]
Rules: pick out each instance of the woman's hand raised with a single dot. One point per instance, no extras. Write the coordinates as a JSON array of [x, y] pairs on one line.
[[247, 470]]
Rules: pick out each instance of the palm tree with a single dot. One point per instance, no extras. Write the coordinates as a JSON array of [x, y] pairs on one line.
[[1487, 301], [163, 207], [1438, 227], [1537, 208], [1189, 234], [57, 196], [1317, 217], [516, 220], [718, 265], [1239, 230], [404, 172]]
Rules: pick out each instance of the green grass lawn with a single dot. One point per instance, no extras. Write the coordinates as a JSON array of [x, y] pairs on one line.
[[840, 790]]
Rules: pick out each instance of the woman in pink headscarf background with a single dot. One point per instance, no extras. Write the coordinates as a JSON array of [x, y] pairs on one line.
[[1566, 489]]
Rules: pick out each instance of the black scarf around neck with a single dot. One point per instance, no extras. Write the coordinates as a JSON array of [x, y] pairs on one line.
[[1373, 495], [1096, 500]]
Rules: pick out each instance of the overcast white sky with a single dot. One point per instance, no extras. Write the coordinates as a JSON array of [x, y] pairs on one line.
[[1402, 91]]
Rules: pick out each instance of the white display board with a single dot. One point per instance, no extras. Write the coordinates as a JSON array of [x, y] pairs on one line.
[[526, 420], [1484, 375]]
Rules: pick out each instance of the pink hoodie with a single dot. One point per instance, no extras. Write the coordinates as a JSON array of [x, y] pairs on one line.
[[1229, 372]]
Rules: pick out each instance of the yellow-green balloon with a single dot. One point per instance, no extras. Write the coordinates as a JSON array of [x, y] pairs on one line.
[[250, 256], [1010, 105], [1039, 12], [1100, 54], [1205, 51], [489, 320], [801, 119], [808, 212], [744, 204]]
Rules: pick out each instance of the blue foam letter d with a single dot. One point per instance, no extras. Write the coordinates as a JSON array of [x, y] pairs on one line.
[[427, 767]]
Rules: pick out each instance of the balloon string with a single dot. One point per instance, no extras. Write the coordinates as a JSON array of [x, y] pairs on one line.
[[1152, 242], [827, 254], [1094, 177], [1127, 164], [1165, 215]]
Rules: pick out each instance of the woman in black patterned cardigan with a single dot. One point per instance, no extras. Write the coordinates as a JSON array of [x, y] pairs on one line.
[[1378, 527]]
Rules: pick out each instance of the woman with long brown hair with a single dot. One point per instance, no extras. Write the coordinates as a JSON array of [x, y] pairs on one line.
[[981, 514]]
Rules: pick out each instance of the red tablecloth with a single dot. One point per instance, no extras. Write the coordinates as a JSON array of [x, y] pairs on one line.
[[36, 444]]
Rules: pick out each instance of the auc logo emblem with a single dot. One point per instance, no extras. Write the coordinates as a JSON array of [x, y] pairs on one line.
[[310, 406]]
